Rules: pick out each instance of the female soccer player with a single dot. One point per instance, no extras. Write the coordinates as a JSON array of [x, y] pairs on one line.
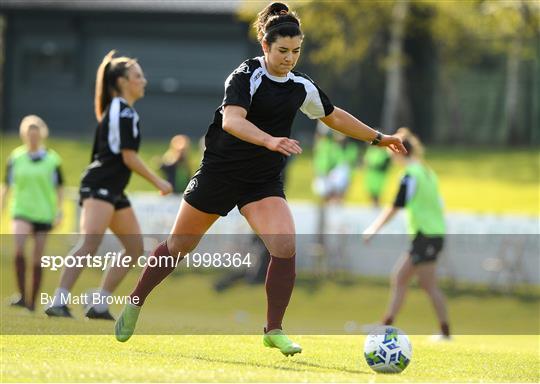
[[175, 163], [419, 195], [377, 162], [33, 173], [246, 148], [120, 83]]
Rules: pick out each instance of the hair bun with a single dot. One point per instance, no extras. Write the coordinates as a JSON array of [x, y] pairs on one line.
[[278, 9]]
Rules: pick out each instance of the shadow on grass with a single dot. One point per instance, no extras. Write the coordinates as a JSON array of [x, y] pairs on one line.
[[273, 366]]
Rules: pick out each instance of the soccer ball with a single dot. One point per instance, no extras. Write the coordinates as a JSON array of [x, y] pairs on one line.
[[387, 350]]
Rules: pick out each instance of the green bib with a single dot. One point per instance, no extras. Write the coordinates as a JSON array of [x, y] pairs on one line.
[[424, 209], [376, 170], [328, 154], [33, 186]]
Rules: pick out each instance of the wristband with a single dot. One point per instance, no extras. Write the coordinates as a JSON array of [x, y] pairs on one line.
[[377, 139]]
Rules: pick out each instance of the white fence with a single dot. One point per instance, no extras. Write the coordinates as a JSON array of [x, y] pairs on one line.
[[496, 249]]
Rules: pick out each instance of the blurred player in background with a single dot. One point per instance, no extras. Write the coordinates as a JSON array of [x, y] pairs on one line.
[[175, 163], [334, 158], [419, 195], [377, 163], [120, 82], [33, 175], [246, 148]]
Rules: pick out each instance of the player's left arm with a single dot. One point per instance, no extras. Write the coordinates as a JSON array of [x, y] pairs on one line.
[[59, 182], [60, 204], [349, 125]]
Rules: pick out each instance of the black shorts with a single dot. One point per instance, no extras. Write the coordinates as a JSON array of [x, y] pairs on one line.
[[215, 194], [36, 226], [118, 200], [425, 249]]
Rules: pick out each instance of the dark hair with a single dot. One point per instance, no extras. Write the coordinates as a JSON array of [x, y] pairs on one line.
[[276, 20], [108, 73]]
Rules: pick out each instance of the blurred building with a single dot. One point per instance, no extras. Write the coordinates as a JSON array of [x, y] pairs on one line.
[[53, 48]]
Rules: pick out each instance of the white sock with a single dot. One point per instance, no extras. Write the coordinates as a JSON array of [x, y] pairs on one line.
[[60, 297], [102, 306]]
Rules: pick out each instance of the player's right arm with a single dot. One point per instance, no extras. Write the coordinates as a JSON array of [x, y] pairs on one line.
[[235, 123], [386, 215], [3, 195], [406, 190], [4, 188]]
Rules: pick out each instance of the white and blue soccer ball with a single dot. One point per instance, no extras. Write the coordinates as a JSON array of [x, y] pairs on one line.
[[387, 350]]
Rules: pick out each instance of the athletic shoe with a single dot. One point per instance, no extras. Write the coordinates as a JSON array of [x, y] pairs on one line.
[[440, 338], [277, 339], [58, 311], [125, 325], [88, 303], [91, 313], [16, 301]]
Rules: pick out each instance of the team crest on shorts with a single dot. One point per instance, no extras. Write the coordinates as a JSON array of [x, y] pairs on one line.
[[191, 186]]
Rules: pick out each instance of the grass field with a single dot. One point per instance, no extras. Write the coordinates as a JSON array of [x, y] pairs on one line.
[[474, 180], [244, 359], [174, 341]]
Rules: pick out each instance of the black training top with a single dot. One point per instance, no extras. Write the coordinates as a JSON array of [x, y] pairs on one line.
[[119, 129], [271, 103]]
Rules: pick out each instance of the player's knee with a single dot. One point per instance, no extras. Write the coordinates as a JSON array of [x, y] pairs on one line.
[[179, 244], [135, 250], [132, 256], [398, 281], [89, 245], [427, 286], [285, 249]]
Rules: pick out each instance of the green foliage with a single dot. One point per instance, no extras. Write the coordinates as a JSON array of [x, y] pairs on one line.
[[463, 30], [342, 31]]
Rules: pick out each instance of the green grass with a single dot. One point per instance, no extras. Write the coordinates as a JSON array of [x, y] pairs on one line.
[[475, 180], [186, 335], [244, 359]]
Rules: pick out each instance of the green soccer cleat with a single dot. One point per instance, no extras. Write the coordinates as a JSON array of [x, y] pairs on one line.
[[277, 339], [125, 325]]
